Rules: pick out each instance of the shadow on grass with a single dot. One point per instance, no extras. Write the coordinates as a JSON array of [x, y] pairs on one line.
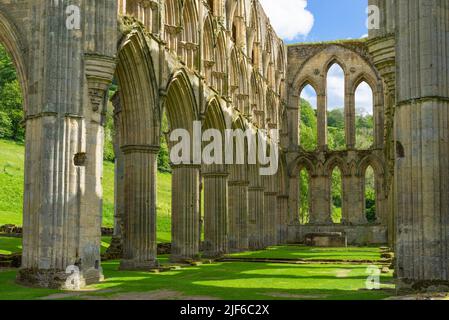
[[9, 245], [247, 281]]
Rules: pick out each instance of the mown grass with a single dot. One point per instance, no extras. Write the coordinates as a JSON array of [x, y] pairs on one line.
[[10, 245], [312, 253], [11, 191], [240, 281]]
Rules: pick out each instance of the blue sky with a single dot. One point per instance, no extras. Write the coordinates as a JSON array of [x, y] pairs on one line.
[[298, 21], [317, 20], [336, 19]]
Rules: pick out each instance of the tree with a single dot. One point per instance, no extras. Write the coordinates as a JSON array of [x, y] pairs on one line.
[[7, 69], [308, 126], [11, 105]]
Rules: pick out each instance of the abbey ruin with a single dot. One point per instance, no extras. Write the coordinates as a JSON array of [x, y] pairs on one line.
[[220, 62]]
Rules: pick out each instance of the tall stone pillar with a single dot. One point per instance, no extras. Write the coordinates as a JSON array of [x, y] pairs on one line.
[[422, 140], [64, 144], [238, 216], [320, 213], [139, 234], [185, 213], [282, 220], [215, 213], [382, 47], [270, 210], [256, 209], [115, 250]]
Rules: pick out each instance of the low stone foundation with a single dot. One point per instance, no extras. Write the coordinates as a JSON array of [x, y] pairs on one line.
[[132, 265], [358, 235], [326, 240], [405, 286], [56, 279]]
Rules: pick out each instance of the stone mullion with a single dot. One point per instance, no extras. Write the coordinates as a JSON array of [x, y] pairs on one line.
[[322, 120], [185, 213], [139, 234], [350, 130]]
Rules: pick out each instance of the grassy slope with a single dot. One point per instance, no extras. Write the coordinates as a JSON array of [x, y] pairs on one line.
[[11, 191]]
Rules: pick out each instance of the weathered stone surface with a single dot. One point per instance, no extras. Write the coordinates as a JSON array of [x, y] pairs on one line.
[[238, 75], [327, 240]]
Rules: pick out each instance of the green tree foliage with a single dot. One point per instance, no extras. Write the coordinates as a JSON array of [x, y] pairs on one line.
[[11, 102], [336, 194], [304, 206], [7, 70], [308, 126], [109, 132], [370, 196], [163, 160]]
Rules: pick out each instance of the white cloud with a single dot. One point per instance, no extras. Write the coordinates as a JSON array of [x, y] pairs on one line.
[[364, 99], [290, 18]]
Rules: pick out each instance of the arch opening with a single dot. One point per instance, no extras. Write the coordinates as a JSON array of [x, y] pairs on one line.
[[370, 195], [336, 197], [304, 196], [308, 123], [335, 106], [364, 125]]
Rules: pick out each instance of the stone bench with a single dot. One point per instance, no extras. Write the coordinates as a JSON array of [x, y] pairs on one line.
[[326, 240]]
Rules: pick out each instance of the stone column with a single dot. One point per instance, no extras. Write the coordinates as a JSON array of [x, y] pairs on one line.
[[139, 234], [256, 209], [270, 210], [282, 219], [215, 213], [185, 213], [238, 216], [64, 146], [320, 200], [354, 200], [293, 200], [115, 250], [422, 140]]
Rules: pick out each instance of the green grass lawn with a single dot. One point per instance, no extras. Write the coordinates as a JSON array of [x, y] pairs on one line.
[[241, 281], [9, 245], [312, 253], [11, 191]]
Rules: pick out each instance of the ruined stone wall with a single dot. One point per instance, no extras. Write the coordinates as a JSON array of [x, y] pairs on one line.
[[308, 64]]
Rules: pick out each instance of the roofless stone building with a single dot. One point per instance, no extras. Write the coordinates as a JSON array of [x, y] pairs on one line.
[[221, 63]]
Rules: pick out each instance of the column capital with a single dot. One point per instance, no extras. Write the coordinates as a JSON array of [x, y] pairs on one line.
[[238, 183], [185, 166], [140, 149], [210, 175]]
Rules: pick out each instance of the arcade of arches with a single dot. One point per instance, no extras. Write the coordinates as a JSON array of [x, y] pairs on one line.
[[221, 63]]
